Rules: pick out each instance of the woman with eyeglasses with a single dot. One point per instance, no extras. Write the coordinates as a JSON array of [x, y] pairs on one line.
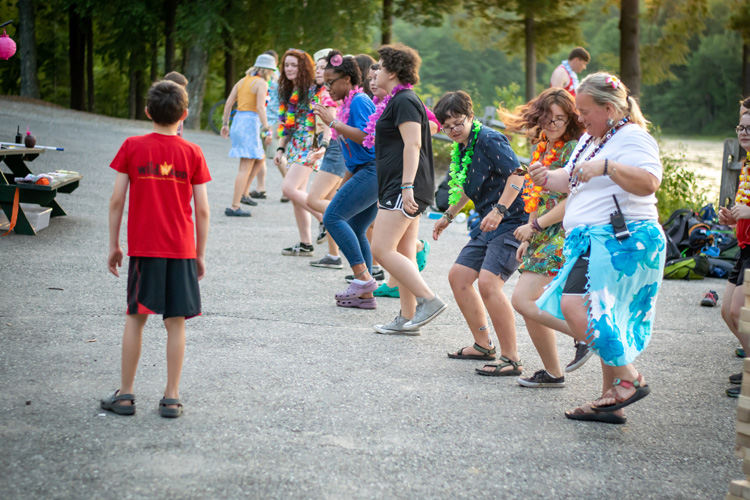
[[331, 169], [738, 216], [482, 170], [354, 206], [551, 122], [614, 246], [297, 92]]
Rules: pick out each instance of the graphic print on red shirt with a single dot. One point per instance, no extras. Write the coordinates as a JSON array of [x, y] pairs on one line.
[[162, 171]]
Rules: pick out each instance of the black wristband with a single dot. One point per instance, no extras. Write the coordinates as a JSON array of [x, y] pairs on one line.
[[324, 144], [282, 149]]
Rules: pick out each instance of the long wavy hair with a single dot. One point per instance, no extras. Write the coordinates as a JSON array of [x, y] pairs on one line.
[[527, 118], [305, 77]]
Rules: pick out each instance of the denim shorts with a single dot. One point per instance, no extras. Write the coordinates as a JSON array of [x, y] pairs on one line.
[[497, 255], [333, 161]]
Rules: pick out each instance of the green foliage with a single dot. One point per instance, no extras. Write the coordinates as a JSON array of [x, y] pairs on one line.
[[680, 186]]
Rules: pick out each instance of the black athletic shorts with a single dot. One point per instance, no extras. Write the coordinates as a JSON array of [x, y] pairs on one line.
[[163, 286], [395, 202], [577, 279], [737, 276]]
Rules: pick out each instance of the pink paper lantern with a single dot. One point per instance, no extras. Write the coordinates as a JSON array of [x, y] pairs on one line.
[[7, 46]]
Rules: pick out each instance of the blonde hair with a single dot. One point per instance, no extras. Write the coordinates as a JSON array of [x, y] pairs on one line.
[[600, 87], [264, 73]]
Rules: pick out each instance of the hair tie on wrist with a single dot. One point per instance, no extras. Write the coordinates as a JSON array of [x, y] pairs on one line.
[[536, 227], [407, 187], [282, 149]]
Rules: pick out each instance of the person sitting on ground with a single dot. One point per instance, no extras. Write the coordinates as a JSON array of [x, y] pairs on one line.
[[739, 216], [615, 248], [167, 251], [179, 79], [566, 74], [483, 170]]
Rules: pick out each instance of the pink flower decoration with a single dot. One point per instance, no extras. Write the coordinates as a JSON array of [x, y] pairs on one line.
[[337, 60], [613, 81]]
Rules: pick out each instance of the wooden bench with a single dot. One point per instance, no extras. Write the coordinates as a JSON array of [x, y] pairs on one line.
[[42, 195]]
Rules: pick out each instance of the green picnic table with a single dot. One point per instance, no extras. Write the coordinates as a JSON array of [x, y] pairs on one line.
[[13, 193]]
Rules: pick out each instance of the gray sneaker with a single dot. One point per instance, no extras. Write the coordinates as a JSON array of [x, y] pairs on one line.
[[397, 327], [237, 213], [427, 310], [329, 262]]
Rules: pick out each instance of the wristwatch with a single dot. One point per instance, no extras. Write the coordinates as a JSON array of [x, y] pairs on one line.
[[501, 209]]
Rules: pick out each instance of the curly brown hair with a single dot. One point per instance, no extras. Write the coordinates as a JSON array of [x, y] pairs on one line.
[[527, 118], [401, 60], [305, 77]]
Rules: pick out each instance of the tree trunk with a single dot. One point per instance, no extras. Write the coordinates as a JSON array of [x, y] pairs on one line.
[[27, 41], [745, 70], [154, 58], [136, 101], [88, 27], [530, 55], [196, 71], [386, 25], [76, 56], [630, 62], [170, 12], [228, 63]]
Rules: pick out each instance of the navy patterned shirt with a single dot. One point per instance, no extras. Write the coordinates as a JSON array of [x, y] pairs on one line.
[[493, 162]]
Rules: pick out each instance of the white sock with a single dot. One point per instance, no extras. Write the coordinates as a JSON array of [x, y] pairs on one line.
[[360, 282], [334, 257], [375, 269]]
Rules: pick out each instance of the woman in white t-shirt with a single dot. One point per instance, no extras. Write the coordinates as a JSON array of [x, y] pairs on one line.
[[614, 245]]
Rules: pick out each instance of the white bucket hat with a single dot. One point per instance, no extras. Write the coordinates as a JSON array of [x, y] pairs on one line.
[[321, 54], [265, 61]]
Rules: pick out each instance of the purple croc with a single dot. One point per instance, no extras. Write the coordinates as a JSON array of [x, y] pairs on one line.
[[355, 290], [359, 303]]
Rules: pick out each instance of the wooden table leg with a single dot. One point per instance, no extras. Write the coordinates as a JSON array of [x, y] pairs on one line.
[[23, 226]]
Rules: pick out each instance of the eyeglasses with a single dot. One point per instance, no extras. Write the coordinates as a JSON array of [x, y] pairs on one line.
[[742, 130], [559, 123], [328, 85], [456, 128]]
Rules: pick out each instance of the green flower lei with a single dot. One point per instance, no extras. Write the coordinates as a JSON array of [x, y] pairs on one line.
[[459, 166]]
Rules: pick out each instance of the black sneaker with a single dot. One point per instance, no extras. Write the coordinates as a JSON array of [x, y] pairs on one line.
[[583, 353], [321, 234], [229, 212], [542, 378], [710, 299], [261, 195], [733, 392], [736, 378], [378, 275], [299, 250]]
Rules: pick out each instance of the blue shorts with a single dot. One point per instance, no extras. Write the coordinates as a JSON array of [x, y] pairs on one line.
[[497, 255], [333, 161]]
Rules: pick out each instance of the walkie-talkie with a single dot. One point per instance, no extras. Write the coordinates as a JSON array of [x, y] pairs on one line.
[[618, 223]]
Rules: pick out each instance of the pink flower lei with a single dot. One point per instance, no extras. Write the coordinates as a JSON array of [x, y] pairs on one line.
[[369, 141], [343, 112]]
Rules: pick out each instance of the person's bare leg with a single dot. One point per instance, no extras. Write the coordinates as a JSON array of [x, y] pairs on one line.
[[501, 313], [732, 303], [262, 177], [131, 352], [529, 288], [294, 187], [394, 237], [361, 272], [240, 181], [461, 279], [257, 166], [321, 192], [175, 356], [369, 238], [282, 166]]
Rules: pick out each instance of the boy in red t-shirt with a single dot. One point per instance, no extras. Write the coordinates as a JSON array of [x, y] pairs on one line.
[[164, 173]]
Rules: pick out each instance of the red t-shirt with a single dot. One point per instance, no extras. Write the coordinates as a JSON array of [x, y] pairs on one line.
[[162, 171]]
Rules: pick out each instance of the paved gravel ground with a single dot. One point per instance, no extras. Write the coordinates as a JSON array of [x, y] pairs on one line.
[[287, 395]]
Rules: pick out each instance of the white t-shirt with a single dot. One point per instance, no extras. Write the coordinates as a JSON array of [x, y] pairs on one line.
[[592, 204]]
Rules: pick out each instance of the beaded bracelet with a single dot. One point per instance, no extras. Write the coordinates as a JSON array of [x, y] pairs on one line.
[[448, 216]]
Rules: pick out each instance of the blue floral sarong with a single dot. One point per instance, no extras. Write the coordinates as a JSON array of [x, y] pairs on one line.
[[623, 280]]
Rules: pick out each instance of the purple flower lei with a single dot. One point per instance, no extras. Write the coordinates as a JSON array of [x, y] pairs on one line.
[[369, 141], [342, 114]]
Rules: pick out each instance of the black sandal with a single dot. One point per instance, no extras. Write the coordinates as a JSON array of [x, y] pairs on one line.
[[487, 354], [110, 403], [166, 412], [517, 368]]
